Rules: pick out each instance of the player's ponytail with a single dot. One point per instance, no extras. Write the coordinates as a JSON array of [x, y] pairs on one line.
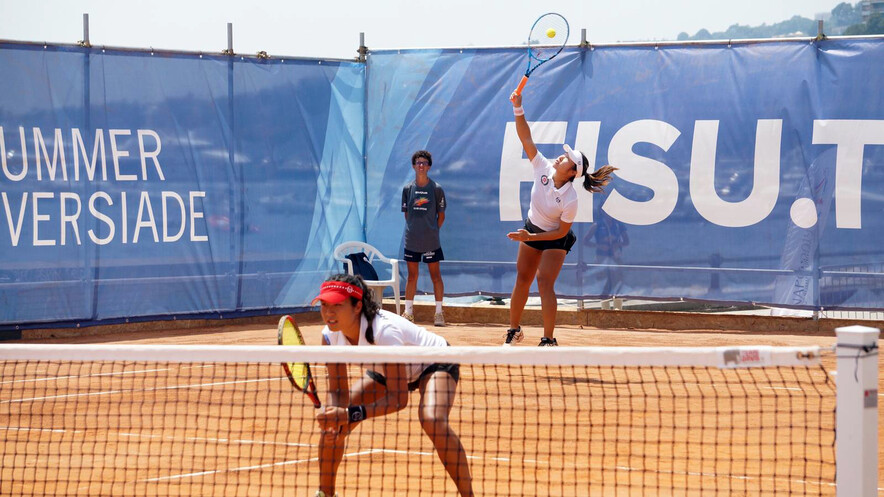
[[595, 182]]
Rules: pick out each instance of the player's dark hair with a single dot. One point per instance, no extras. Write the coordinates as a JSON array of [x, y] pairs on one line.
[[422, 154], [370, 308], [595, 182]]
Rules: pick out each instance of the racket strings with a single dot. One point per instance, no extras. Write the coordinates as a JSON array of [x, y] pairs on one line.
[[548, 36], [300, 374]]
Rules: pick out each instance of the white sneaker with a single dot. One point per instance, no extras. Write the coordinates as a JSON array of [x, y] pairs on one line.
[[439, 319], [408, 315]]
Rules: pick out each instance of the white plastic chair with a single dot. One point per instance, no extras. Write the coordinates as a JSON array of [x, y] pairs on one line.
[[373, 255]]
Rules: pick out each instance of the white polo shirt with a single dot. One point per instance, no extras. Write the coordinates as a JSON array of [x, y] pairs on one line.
[[391, 329], [550, 205]]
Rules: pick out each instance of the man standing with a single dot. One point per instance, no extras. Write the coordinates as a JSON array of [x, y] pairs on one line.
[[423, 203]]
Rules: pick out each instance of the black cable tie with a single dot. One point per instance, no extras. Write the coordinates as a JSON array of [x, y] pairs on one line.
[[868, 350]]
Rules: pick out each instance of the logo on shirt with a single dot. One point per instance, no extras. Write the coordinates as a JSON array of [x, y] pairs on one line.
[[421, 201], [544, 180]]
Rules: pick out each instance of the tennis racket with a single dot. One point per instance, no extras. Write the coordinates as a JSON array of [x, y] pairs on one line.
[[298, 372], [548, 37]]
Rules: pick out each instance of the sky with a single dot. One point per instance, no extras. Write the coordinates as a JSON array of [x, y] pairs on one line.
[[331, 28]]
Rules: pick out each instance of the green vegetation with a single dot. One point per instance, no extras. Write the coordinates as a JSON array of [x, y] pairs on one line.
[[845, 19], [874, 26]]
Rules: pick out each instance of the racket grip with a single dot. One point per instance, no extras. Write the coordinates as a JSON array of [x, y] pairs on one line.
[[521, 85]]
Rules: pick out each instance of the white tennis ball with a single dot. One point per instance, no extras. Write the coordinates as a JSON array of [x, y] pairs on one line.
[[550, 33]]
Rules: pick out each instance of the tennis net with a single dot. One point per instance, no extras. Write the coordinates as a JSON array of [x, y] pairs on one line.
[[224, 420]]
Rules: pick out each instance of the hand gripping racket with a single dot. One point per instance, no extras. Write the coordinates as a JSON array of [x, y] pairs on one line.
[[548, 37], [298, 372]]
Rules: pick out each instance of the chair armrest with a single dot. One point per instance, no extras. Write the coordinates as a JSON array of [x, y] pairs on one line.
[[348, 264], [379, 256]]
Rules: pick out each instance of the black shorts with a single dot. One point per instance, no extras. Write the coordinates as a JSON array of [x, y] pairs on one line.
[[428, 257], [452, 369], [564, 243]]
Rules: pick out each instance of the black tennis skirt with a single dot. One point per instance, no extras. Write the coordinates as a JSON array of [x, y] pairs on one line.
[[452, 369], [564, 243]]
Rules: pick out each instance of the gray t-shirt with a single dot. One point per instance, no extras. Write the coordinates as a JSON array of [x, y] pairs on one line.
[[422, 205]]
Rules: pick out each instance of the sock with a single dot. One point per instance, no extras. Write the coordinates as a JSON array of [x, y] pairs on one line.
[[409, 306], [438, 307]]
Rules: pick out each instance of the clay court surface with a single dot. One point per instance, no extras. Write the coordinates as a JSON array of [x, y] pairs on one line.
[[189, 447]]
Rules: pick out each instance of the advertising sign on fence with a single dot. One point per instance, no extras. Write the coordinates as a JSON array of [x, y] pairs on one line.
[[142, 185]]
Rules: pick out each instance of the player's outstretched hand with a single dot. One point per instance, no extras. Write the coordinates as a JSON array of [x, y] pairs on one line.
[[519, 236]]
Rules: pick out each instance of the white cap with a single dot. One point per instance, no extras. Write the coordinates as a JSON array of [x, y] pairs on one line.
[[576, 157]]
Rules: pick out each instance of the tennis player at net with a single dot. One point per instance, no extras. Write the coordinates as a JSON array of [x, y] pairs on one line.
[[352, 317]]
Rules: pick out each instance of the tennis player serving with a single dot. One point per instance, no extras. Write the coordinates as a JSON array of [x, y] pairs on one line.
[[352, 317], [547, 237]]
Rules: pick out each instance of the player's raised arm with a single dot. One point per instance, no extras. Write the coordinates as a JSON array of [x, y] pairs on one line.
[[522, 128]]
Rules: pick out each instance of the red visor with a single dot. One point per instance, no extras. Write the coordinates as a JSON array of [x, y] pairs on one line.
[[334, 292]]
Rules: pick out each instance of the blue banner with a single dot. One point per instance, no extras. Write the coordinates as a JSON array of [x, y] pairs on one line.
[[144, 185], [140, 184], [730, 158]]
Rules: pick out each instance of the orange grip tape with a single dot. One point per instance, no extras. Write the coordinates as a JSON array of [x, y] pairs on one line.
[[521, 85]]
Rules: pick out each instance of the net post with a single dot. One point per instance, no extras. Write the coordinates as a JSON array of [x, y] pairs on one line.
[[362, 50], [85, 41], [820, 35], [856, 454], [229, 50], [86, 29]]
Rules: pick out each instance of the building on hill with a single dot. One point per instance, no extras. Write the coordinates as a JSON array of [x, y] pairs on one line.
[[871, 8]]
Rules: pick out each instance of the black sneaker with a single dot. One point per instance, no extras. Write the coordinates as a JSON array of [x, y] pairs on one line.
[[548, 342], [513, 335]]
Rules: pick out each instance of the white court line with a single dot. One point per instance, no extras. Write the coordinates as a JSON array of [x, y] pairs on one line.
[[732, 477], [232, 470], [73, 377], [405, 452], [499, 459], [158, 389], [282, 463], [96, 375], [400, 452], [165, 437], [249, 468], [216, 440], [39, 430]]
